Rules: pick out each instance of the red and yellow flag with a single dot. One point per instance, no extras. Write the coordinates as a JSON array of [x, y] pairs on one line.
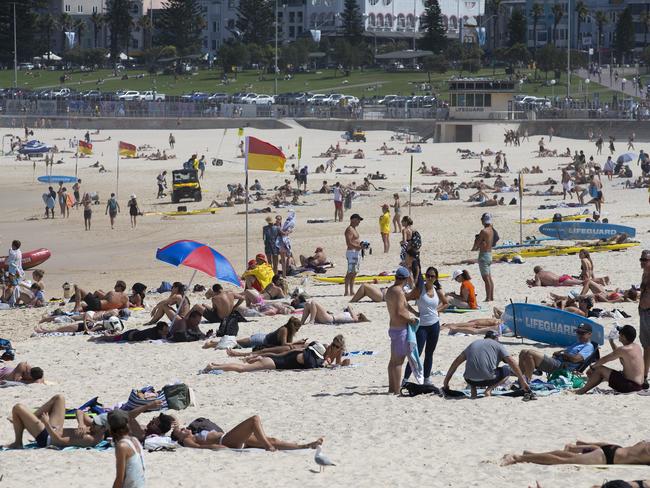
[[85, 148], [262, 156], [127, 149]]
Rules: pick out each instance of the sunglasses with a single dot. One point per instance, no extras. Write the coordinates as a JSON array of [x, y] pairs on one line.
[[643, 260], [582, 332], [432, 276]]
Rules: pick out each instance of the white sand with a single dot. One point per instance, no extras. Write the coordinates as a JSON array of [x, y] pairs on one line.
[[375, 439]]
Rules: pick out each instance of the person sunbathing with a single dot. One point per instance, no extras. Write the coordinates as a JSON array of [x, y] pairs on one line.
[[318, 259], [476, 327], [157, 332], [23, 372], [136, 299], [175, 305], [547, 278], [247, 434], [319, 315], [46, 425], [313, 355], [99, 300], [282, 336], [588, 453], [371, 291], [600, 294], [88, 322], [159, 425]]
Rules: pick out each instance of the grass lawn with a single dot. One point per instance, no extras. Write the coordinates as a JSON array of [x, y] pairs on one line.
[[360, 83]]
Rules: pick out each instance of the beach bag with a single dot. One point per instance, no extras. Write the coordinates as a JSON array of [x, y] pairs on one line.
[[9, 353], [229, 326], [414, 389], [165, 286], [144, 396], [178, 396], [197, 425], [566, 378]]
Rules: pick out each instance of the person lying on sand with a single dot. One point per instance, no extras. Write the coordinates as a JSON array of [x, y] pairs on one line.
[[157, 332], [588, 453], [547, 278], [175, 305], [574, 303], [600, 294], [46, 426], [247, 434], [282, 336], [371, 291], [495, 201], [23, 372], [159, 425], [90, 322], [99, 300], [314, 355], [318, 259], [319, 315], [478, 326]]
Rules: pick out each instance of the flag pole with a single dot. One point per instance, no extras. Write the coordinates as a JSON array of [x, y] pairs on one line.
[[76, 162], [410, 185], [246, 192], [117, 183], [521, 211]]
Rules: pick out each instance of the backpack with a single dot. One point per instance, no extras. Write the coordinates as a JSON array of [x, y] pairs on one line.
[[178, 396], [197, 425], [230, 325], [413, 389]]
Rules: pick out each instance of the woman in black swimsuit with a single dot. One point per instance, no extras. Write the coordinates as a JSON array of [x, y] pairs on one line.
[[283, 336], [313, 355]]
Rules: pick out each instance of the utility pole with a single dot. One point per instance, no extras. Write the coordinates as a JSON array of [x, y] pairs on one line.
[[15, 51], [568, 52], [275, 72]]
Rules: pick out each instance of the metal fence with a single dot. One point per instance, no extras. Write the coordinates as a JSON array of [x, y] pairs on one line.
[[180, 109]]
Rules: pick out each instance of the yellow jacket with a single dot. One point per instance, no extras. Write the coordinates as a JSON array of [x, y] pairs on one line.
[[263, 273]]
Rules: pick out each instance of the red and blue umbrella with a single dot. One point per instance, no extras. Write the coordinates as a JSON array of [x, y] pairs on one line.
[[199, 257]]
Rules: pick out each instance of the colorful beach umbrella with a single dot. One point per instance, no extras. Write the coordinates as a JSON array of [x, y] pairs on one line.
[[199, 257]]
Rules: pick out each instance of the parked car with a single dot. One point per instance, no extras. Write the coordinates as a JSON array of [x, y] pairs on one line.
[[151, 96], [352, 100], [248, 98], [218, 98], [262, 100], [333, 99], [60, 93], [317, 99], [200, 97], [386, 99], [237, 97], [92, 95], [129, 95], [26, 66]]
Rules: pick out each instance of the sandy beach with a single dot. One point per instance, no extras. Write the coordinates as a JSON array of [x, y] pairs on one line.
[[375, 439]]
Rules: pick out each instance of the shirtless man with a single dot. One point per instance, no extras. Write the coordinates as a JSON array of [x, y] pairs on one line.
[[483, 244], [186, 329], [547, 278], [158, 425], [46, 425], [223, 303], [100, 301], [318, 259], [353, 253], [586, 453], [644, 311], [23, 373], [400, 319], [631, 357]]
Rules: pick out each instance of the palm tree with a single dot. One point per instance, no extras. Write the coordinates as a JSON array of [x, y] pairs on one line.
[[537, 12], [496, 8], [581, 11], [97, 20], [79, 27], [144, 23], [65, 22], [47, 23], [558, 13], [601, 20]]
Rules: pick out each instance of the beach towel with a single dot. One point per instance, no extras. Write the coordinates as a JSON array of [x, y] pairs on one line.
[[160, 443], [414, 356], [283, 241], [102, 446], [360, 353]]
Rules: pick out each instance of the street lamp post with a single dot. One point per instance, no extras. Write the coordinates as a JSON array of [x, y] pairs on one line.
[[553, 89], [275, 88], [568, 51], [15, 51], [587, 81]]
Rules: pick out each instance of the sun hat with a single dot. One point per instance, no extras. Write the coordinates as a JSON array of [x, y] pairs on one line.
[[456, 274]]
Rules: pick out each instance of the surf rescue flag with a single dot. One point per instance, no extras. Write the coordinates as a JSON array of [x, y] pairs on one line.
[[127, 149], [299, 148], [262, 156], [85, 148]]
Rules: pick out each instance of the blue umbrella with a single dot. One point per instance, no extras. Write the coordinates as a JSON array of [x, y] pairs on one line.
[[626, 158]]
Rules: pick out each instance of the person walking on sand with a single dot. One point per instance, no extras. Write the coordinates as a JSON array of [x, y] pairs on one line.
[[112, 209], [384, 226], [400, 319], [397, 214], [353, 253], [76, 190], [172, 140], [87, 203], [483, 243], [134, 211], [161, 179]]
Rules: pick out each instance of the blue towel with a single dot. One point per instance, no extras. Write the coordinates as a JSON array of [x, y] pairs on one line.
[[360, 353], [414, 356]]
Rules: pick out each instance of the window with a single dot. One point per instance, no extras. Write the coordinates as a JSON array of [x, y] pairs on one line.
[[374, 2], [380, 20], [292, 31], [300, 17], [461, 100], [453, 22], [80, 8], [214, 26], [94, 10], [280, 16], [67, 8], [469, 100], [292, 17], [371, 20], [387, 2], [299, 29], [401, 21], [134, 43], [389, 20], [410, 21], [214, 44], [453, 100], [487, 102]]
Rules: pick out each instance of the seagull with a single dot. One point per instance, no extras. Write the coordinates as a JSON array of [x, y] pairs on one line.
[[322, 460]]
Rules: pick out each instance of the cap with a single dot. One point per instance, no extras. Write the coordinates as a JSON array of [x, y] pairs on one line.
[[486, 218], [318, 349], [584, 328], [101, 420], [356, 216], [627, 331], [261, 257], [251, 263], [456, 274], [491, 334], [402, 273]]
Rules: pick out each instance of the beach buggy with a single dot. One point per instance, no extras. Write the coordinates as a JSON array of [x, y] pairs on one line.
[[185, 185]]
